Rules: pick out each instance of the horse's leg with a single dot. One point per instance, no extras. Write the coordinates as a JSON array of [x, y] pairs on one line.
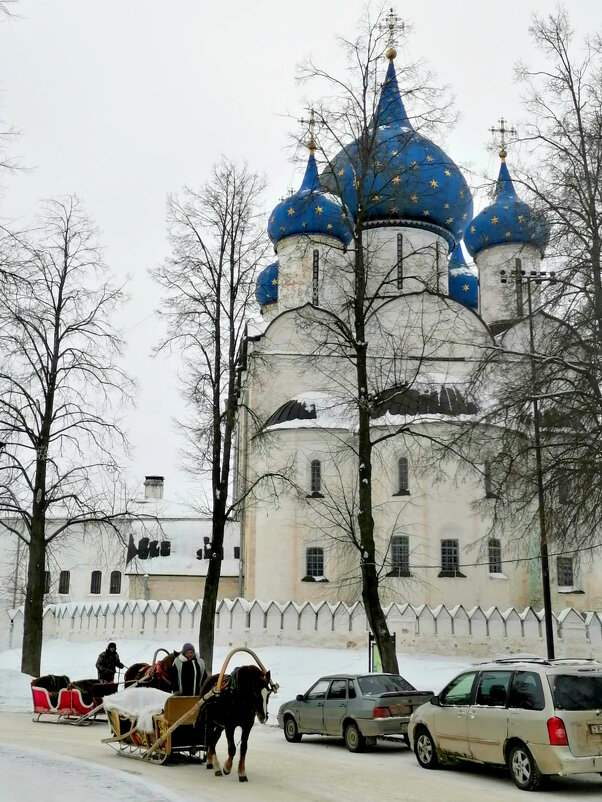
[[245, 730], [212, 760], [231, 749]]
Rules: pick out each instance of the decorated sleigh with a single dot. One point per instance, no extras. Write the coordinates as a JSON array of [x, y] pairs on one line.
[[64, 702]]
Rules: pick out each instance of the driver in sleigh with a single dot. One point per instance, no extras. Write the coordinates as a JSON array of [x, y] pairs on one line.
[[108, 661], [187, 672]]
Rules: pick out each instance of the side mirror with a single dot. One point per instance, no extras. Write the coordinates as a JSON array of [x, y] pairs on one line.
[[434, 700], [300, 697]]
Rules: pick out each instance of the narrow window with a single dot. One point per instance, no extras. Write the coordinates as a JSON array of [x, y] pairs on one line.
[[316, 278], [316, 476], [400, 555], [46, 581], [64, 581], [115, 585], [564, 488], [403, 477], [450, 558], [487, 479], [495, 556], [564, 571], [314, 560], [437, 265], [519, 287], [400, 261], [95, 581], [237, 552]]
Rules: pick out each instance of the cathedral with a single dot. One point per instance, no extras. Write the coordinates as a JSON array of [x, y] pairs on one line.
[[432, 313]]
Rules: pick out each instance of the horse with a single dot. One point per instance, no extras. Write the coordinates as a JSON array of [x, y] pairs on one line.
[[155, 675], [244, 696]]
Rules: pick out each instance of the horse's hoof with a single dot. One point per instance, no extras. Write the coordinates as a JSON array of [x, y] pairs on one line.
[[209, 766], [242, 779], [227, 772], [218, 773]]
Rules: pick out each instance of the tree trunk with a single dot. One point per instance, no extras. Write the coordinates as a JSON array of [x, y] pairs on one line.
[[31, 655], [210, 594]]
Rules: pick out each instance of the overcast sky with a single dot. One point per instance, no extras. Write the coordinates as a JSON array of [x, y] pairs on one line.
[[123, 101]]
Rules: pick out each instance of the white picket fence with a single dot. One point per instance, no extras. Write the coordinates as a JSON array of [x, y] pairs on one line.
[[239, 622]]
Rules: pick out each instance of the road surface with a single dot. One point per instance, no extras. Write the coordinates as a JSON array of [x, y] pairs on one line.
[[315, 770]]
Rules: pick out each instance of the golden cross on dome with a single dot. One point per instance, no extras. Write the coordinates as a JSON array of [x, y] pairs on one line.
[[392, 25], [311, 126], [502, 131]]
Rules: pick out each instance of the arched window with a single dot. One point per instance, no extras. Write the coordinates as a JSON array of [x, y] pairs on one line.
[[115, 586], [400, 261], [64, 581], [46, 581], [403, 477], [95, 581], [564, 487], [495, 556], [564, 572], [316, 278], [518, 265], [316, 476], [487, 479], [314, 562], [400, 556]]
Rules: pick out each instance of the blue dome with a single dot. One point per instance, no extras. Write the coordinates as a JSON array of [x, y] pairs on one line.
[[266, 287], [507, 220], [463, 281], [410, 181], [310, 210]]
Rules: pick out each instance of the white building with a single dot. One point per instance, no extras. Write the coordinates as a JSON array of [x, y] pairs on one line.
[[435, 315]]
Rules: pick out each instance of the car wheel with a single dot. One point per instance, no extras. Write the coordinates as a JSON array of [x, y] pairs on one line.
[[523, 768], [425, 751], [291, 731], [354, 740]]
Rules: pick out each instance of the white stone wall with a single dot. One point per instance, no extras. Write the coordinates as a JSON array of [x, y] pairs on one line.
[[418, 629]]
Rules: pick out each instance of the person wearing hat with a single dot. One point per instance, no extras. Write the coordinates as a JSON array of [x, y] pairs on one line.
[[187, 672], [107, 662]]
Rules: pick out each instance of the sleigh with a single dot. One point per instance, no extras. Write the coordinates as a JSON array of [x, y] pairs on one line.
[[58, 700]]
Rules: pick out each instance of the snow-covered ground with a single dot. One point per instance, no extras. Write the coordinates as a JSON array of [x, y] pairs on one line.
[[30, 775]]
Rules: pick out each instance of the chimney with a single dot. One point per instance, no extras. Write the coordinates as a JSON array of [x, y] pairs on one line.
[[153, 487]]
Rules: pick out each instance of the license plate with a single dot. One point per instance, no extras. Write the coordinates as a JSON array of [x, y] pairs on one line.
[[596, 729]]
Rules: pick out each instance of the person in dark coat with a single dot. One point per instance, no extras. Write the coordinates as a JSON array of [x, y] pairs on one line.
[[107, 663], [187, 672]]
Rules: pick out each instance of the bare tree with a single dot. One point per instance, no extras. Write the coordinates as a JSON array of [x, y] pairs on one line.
[[60, 387], [217, 246]]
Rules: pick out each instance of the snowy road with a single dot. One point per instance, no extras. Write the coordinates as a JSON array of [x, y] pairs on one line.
[[316, 770]]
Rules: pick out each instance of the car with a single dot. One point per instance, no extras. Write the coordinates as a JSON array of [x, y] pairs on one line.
[[358, 707], [535, 716]]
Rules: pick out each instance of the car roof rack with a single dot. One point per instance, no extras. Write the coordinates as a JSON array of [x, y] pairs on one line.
[[543, 660]]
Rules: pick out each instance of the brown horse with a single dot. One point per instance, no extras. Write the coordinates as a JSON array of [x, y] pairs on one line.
[[152, 675], [244, 697]]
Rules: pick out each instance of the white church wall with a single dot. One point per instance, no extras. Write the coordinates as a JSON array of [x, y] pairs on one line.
[[498, 301], [418, 629]]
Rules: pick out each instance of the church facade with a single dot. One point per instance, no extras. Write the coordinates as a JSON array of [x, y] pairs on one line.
[[431, 317]]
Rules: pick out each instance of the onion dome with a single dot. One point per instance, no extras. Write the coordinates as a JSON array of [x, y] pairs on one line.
[[410, 181], [311, 210], [508, 220], [463, 281], [266, 287]]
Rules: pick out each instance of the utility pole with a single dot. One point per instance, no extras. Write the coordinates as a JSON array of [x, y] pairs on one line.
[[538, 278]]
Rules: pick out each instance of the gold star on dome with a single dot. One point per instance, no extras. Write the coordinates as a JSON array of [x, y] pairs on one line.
[[414, 198], [461, 193], [508, 235], [283, 229], [447, 172], [340, 172], [319, 210], [415, 165], [521, 218], [465, 215], [376, 198], [394, 152], [274, 281], [465, 287], [449, 220], [394, 210], [426, 212], [495, 220], [304, 225], [272, 218], [434, 184], [396, 179], [446, 205], [291, 210], [429, 158], [506, 207], [329, 226], [472, 229]]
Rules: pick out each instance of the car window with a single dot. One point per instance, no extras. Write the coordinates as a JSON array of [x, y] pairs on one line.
[[352, 693], [319, 690], [384, 683], [493, 688], [338, 689], [526, 691], [576, 692], [459, 690]]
